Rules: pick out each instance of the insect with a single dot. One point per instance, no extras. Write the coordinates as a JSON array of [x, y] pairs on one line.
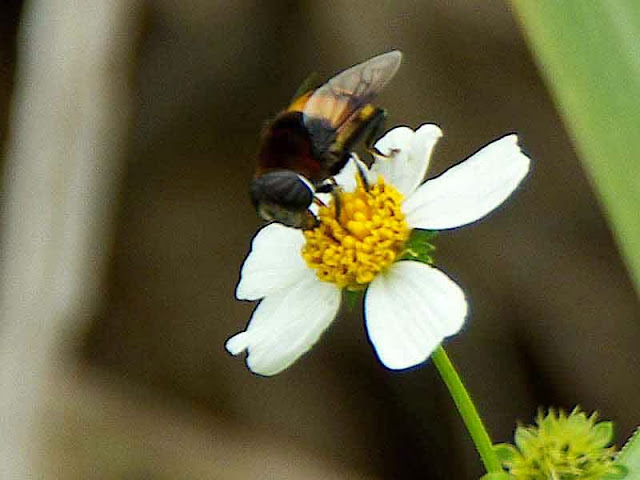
[[309, 142]]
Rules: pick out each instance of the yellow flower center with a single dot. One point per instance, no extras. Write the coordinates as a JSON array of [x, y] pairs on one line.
[[368, 236]]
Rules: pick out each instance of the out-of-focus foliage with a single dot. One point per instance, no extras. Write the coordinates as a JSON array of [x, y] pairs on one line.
[[588, 52], [629, 457]]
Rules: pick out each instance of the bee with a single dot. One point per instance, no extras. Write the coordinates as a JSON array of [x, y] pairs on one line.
[[311, 141]]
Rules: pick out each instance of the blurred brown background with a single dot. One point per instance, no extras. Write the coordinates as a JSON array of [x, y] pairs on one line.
[[554, 318]]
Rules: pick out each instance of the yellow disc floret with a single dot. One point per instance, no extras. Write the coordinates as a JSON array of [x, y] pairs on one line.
[[368, 236]]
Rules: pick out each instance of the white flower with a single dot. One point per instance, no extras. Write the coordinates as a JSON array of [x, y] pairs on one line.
[[410, 306]]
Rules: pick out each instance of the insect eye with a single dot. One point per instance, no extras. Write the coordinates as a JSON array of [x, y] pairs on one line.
[[300, 195], [283, 188]]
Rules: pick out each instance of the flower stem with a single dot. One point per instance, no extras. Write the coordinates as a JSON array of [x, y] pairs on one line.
[[467, 410]]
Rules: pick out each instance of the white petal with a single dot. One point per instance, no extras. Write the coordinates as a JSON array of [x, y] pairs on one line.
[[346, 178], [286, 324], [274, 262], [470, 190], [409, 311], [397, 138], [397, 145], [405, 169]]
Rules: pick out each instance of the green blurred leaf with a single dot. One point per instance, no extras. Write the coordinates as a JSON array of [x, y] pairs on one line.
[[629, 457], [588, 51]]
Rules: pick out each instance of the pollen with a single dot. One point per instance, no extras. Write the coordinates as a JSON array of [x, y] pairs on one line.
[[367, 235]]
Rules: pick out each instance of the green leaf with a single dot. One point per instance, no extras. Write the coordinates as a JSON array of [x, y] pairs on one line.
[[629, 456], [419, 246], [588, 52]]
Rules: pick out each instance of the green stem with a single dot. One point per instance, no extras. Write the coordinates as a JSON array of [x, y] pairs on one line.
[[467, 410]]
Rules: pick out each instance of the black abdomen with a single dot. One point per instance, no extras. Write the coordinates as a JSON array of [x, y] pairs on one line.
[[287, 145]]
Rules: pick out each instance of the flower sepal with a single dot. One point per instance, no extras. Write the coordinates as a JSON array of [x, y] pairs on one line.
[[351, 298], [419, 247], [505, 452]]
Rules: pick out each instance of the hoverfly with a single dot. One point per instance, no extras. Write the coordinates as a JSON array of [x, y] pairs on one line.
[[309, 142]]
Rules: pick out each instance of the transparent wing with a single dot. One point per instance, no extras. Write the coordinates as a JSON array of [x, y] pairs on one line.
[[336, 100]]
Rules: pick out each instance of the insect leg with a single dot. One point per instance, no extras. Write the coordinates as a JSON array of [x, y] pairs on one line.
[[327, 187], [319, 202], [374, 130], [332, 187], [363, 176], [335, 193], [337, 202]]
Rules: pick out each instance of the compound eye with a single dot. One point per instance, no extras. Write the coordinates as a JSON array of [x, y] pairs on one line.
[[284, 188], [301, 195]]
